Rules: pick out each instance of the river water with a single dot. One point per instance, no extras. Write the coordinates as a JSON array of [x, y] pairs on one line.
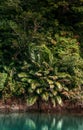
[[35, 121]]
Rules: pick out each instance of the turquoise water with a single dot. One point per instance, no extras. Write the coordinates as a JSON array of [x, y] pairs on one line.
[[40, 122]]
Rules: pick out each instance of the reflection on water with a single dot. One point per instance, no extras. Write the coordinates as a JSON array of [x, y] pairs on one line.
[[40, 122]]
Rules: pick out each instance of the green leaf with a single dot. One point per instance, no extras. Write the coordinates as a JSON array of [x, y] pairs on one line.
[[50, 82], [45, 96], [66, 89], [24, 79], [33, 86], [52, 86], [22, 75], [53, 77], [39, 90], [30, 90], [59, 86], [38, 74], [54, 92], [31, 100], [53, 102], [59, 100]]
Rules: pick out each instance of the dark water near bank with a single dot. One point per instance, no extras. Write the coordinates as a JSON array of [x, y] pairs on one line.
[[40, 122]]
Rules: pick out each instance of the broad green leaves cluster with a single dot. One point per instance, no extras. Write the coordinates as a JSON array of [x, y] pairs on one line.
[[41, 49]]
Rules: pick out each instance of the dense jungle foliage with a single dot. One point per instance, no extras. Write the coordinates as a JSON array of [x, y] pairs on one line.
[[41, 49]]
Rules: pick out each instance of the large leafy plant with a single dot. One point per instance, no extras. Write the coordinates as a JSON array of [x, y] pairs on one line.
[[39, 75]]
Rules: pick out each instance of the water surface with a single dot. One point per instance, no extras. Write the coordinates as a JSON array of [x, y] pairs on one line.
[[40, 122]]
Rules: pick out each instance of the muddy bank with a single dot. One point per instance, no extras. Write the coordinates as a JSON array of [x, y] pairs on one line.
[[19, 105]]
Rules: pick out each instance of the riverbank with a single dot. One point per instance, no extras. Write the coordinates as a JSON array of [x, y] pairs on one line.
[[11, 106]]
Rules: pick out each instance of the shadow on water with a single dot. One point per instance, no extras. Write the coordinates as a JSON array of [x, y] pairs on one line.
[[40, 122]]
